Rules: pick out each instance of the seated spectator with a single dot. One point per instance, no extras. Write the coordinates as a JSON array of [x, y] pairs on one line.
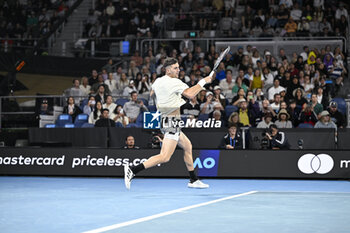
[[96, 86], [72, 109], [239, 85], [307, 116], [208, 106], [130, 143], [325, 121], [84, 86], [277, 139], [321, 98], [111, 82], [109, 104], [257, 81], [104, 120], [245, 116], [226, 85], [275, 105], [294, 112], [75, 91], [217, 116], [316, 107], [275, 89], [191, 108], [130, 88], [232, 140], [266, 122], [233, 119], [144, 86], [283, 119], [45, 109], [336, 116], [90, 106], [101, 95], [240, 96], [134, 107], [94, 78], [95, 115], [122, 83], [118, 116], [299, 97], [219, 97]]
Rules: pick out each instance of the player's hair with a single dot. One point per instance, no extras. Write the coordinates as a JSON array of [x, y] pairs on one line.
[[169, 61]]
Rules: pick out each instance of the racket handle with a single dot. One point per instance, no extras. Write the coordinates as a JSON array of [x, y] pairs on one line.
[[211, 73]]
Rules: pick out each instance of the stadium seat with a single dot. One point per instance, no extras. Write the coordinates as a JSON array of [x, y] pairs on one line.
[[63, 119], [152, 108], [50, 126], [139, 120], [305, 125], [145, 102], [203, 117], [119, 125], [121, 101], [87, 125], [83, 103], [229, 109], [341, 105], [69, 125], [80, 120]]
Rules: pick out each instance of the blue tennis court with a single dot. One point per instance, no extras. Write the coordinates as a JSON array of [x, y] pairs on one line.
[[40, 204]]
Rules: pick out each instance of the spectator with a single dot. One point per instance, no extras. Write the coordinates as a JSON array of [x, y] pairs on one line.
[[133, 70], [90, 106], [219, 97], [232, 140], [277, 139], [283, 120], [315, 106], [314, 28], [208, 106], [266, 122], [144, 86], [239, 85], [75, 91], [303, 28], [275, 105], [191, 108], [109, 104], [245, 115], [96, 86], [325, 121], [94, 78], [291, 27], [341, 11], [307, 116], [104, 120], [240, 96], [109, 66], [101, 94], [217, 116], [294, 112], [95, 115], [226, 85], [130, 143], [111, 82], [72, 109], [257, 81], [299, 96], [84, 86], [118, 116], [275, 89], [233, 119], [321, 98], [134, 107], [130, 88], [336, 116], [122, 83]]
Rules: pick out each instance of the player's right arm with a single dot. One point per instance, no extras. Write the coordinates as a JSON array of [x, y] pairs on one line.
[[193, 91]]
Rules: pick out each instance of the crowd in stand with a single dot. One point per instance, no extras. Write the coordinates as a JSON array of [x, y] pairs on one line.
[[30, 19], [252, 88]]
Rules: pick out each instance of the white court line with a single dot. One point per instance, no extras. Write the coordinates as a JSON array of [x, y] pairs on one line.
[[144, 219]]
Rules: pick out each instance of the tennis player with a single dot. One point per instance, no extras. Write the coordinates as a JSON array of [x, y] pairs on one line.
[[169, 91]]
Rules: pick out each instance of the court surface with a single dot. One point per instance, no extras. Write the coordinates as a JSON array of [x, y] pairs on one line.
[[50, 204]]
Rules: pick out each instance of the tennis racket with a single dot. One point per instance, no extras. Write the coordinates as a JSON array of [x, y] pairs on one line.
[[216, 65]]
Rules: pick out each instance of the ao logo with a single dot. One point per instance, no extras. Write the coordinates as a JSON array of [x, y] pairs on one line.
[[310, 163], [207, 163]]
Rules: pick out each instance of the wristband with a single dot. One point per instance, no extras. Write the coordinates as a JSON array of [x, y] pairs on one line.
[[202, 83]]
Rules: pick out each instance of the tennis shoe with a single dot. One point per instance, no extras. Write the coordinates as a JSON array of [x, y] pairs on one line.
[[128, 175], [198, 185]]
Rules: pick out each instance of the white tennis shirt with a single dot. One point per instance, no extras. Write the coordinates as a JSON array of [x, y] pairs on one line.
[[169, 93]]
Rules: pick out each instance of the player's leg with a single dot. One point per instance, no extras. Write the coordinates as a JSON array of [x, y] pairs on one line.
[[168, 147], [186, 145]]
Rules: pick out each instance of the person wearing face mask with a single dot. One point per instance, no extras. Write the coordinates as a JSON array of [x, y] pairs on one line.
[[90, 106]]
